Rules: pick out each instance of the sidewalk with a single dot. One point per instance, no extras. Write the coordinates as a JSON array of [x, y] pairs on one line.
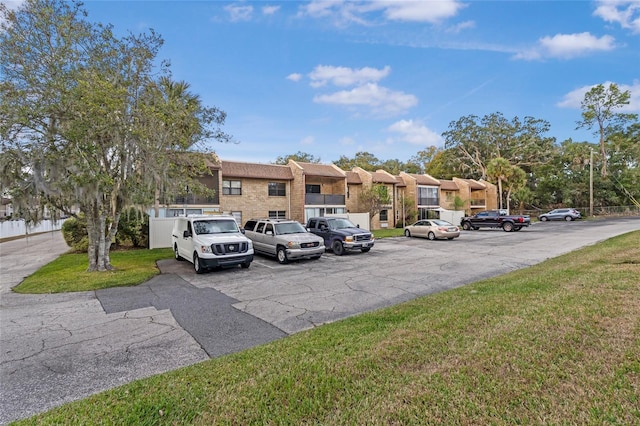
[[22, 257]]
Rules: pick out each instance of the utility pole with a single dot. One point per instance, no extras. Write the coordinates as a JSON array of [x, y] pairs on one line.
[[591, 183]]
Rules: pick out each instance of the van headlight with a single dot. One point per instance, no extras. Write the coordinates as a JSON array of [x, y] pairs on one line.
[[206, 249]]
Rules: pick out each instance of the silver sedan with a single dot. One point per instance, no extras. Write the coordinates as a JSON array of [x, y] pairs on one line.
[[432, 229]]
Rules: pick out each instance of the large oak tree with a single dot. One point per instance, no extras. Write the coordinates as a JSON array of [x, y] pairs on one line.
[[92, 122]]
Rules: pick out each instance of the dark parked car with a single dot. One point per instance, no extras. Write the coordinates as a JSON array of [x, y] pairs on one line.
[[567, 214]]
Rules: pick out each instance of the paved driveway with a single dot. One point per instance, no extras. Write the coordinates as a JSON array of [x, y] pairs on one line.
[[58, 348]]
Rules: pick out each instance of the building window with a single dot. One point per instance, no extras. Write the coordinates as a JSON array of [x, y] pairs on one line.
[[312, 189], [277, 214], [231, 187], [277, 189], [384, 215]]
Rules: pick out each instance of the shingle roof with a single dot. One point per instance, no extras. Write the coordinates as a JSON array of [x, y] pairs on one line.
[[325, 170], [383, 177], [353, 178], [474, 184], [448, 185], [256, 171], [424, 179]]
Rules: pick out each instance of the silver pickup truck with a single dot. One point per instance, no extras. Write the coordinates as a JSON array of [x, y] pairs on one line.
[[284, 239]]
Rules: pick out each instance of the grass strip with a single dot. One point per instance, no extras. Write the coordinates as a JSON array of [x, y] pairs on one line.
[[555, 343], [68, 273]]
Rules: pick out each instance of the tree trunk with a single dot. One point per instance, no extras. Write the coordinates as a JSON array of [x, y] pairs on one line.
[[500, 192], [99, 240]]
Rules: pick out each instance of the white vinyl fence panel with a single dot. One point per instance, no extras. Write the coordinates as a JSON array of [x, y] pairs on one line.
[[160, 232], [19, 228]]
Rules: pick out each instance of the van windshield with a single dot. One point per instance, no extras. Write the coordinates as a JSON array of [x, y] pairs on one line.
[[215, 227]]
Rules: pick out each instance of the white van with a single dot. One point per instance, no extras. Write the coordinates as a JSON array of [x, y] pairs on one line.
[[210, 242]]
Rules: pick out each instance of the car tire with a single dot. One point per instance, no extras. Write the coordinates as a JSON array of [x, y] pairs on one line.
[[507, 227], [431, 236], [407, 233], [544, 218], [337, 248], [281, 254], [196, 264], [175, 253], [568, 218], [366, 249], [466, 226]]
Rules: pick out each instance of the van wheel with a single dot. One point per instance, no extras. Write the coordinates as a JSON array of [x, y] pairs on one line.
[[175, 252], [196, 264], [337, 248], [282, 255]]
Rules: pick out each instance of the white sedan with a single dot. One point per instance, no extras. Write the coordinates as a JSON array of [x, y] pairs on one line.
[[432, 229]]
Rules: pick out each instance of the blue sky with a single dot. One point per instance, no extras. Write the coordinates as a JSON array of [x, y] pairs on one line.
[[332, 78]]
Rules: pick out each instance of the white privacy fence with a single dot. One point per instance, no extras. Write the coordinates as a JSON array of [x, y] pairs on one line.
[[19, 228]]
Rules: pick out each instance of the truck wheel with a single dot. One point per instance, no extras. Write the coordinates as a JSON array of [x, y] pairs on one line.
[[282, 255], [175, 252], [466, 226], [337, 248], [431, 236], [507, 227], [196, 264]]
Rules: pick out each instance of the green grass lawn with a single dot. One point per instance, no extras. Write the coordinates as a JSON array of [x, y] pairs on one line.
[[69, 272], [556, 343]]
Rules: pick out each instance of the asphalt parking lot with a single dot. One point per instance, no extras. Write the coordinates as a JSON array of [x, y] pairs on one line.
[[58, 348]]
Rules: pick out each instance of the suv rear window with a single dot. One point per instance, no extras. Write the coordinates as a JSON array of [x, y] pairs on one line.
[[250, 225]]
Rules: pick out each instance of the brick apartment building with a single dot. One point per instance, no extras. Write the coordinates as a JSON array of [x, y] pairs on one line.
[[301, 190]]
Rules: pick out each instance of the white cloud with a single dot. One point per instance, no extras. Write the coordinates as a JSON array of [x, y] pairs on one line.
[[415, 133], [624, 12], [359, 12], [420, 11], [344, 76], [574, 98], [566, 46], [461, 26], [270, 10], [308, 140], [381, 100], [294, 76], [239, 13]]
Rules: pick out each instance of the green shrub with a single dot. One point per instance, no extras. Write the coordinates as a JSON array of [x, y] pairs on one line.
[[133, 231], [74, 231]]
